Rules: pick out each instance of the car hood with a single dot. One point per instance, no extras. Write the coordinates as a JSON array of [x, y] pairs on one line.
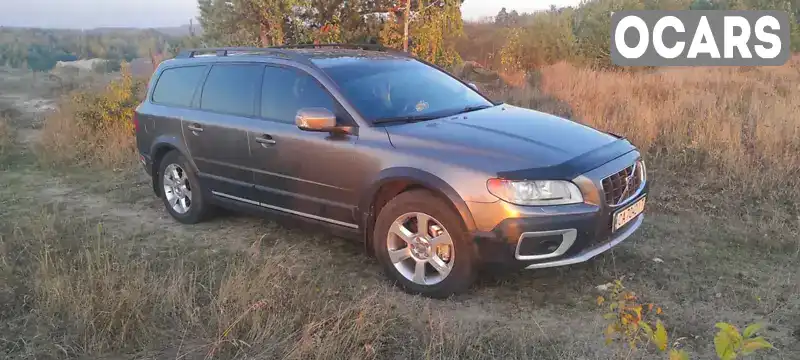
[[512, 142]]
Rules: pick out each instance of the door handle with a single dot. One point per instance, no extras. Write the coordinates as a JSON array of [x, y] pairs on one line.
[[195, 128], [265, 140]]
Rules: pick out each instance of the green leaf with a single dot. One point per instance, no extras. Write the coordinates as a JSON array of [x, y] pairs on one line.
[[675, 354], [726, 327], [752, 345], [751, 330], [723, 344], [733, 333], [660, 336], [648, 330], [610, 331]]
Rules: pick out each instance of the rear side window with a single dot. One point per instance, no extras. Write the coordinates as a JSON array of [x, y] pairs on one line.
[[176, 86], [286, 91], [232, 89]]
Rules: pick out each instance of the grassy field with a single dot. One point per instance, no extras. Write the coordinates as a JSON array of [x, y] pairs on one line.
[[91, 265]]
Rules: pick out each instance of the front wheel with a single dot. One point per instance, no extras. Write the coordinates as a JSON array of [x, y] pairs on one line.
[[423, 245]]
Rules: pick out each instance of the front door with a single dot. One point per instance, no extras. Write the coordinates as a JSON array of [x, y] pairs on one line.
[[216, 133], [310, 174]]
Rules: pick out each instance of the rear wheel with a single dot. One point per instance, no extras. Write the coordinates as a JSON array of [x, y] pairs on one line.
[[423, 245], [180, 190]]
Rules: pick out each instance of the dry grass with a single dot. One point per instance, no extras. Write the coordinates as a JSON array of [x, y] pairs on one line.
[[75, 289], [6, 137], [65, 141], [93, 127], [91, 295], [100, 270], [740, 125], [94, 268]]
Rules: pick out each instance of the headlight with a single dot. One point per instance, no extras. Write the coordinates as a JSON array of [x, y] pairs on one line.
[[539, 192]]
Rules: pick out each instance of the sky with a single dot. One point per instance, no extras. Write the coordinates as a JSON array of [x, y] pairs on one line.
[[87, 14]]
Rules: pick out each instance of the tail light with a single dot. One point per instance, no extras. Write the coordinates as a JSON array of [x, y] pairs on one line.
[[136, 121]]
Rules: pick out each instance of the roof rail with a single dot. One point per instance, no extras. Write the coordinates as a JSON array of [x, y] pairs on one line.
[[370, 47], [280, 51], [225, 51]]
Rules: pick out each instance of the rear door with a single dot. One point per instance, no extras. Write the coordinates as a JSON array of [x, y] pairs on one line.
[[216, 133], [172, 97], [310, 174]]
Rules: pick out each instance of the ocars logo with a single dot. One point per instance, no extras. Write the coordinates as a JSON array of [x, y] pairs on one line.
[[699, 38]]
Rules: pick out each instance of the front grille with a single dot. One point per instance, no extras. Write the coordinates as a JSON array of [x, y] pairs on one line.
[[624, 184]]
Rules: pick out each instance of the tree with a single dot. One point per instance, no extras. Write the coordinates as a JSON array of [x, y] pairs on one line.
[[274, 22], [339, 20], [41, 49], [407, 23], [513, 18], [704, 5], [434, 27], [502, 17], [246, 22]]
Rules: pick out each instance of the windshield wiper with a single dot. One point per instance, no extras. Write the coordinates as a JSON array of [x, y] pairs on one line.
[[413, 118], [475, 108], [405, 119]]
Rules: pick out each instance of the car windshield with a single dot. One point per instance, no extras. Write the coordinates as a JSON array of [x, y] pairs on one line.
[[386, 90]]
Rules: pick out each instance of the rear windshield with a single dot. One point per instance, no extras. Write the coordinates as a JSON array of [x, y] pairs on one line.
[[392, 88]]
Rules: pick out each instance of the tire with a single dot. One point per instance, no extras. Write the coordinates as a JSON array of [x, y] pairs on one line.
[[402, 266], [191, 197]]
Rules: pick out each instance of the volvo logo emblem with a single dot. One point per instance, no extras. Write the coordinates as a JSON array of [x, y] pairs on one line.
[[629, 180]]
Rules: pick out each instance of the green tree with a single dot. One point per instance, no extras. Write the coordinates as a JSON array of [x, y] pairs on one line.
[[502, 17], [246, 22], [435, 25]]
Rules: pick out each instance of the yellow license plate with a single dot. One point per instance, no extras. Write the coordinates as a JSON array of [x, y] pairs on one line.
[[624, 216]]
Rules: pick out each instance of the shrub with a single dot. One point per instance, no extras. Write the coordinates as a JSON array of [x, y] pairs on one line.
[[93, 127], [638, 325]]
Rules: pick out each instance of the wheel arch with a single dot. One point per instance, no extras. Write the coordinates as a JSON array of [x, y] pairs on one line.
[[161, 146], [394, 181]]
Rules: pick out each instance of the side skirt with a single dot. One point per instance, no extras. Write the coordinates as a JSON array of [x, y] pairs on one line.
[[285, 217]]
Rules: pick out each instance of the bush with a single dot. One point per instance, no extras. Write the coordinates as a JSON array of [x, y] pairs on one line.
[[637, 325], [93, 127], [107, 66]]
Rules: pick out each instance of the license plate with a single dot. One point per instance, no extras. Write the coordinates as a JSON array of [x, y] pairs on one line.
[[624, 216]]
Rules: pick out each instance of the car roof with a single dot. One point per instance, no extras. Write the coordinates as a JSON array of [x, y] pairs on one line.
[[335, 58], [321, 56]]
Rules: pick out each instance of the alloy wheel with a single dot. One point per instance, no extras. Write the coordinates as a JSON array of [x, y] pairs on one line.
[[420, 248], [177, 189]]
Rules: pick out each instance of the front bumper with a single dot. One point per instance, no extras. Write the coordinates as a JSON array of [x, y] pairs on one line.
[[553, 236], [591, 252]]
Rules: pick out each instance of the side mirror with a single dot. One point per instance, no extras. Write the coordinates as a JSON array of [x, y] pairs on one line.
[[321, 120], [315, 119]]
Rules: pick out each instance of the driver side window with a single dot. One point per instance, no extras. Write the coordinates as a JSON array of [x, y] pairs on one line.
[[285, 91]]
